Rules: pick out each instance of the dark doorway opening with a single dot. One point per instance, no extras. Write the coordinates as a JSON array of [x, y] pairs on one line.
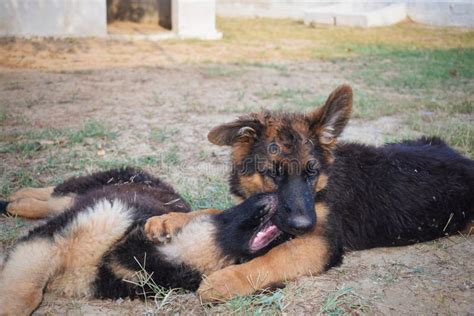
[[138, 16]]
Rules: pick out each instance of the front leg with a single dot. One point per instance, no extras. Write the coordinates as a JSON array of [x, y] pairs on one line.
[[305, 255], [161, 228]]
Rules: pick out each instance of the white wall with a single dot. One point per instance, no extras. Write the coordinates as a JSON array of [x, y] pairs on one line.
[[57, 18], [449, 13], [444, 13]]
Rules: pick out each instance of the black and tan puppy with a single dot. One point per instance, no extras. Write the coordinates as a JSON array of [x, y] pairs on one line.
[[334, 196], [337, 196], [103, 238]]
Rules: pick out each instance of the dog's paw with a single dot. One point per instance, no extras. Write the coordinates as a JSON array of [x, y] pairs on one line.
[[161, 229], [223, 285]]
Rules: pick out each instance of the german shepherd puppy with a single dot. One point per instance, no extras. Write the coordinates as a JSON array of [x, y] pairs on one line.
[[333, 196], [108, 235], [337, 196]]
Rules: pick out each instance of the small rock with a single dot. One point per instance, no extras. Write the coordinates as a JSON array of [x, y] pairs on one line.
[[466, 285]]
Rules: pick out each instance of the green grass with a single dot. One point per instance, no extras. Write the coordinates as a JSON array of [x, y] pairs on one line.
[[264, 303], [366, 105], [453, 130], [171, 156], [281, 68], [208, 192], [24, 149], [369, 106], [23, 178], [27, 143], [450, 107], [161, 135], [218, 71], [3, 115], [91, 129], [10, 229], [160, 296], [344, 301], [401, 69]]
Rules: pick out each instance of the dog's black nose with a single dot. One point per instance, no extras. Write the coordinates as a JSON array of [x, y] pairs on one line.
[[300, 224]]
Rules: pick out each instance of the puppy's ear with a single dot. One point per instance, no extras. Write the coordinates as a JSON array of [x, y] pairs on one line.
[[329, 121], [242, 130]]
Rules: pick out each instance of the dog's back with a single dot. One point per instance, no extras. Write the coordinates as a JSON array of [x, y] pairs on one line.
[[400, 193]]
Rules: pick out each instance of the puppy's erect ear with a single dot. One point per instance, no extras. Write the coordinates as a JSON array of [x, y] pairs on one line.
[[242, 130], [329, 121]]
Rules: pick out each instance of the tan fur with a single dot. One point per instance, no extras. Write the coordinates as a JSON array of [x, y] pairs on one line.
[[195, 245], [237, 199], [322, 182], [239, 151], [36, 203], [272, 127], [28, 208], [25, 274], [310, 250], [322, 212], [276, 266], [85, 241], [256, 183], [122, 272], [42, 194], [57, 205]]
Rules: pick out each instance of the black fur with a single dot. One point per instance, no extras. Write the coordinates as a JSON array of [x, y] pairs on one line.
[[135, 250], [144, 197], [234, 229], [3, 206], [136, 188], [237, 226], [397, 194]]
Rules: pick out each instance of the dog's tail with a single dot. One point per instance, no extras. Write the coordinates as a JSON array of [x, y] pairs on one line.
[[3, 206]]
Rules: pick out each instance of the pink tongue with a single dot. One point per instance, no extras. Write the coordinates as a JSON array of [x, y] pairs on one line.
[[263, 237]]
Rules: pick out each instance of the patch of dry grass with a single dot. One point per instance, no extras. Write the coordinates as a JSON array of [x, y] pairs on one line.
[[293, 40], [245, 40]]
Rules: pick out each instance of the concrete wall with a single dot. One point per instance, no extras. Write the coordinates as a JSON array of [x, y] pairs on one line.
[[57, 18], [195, 19], [451, 13], [443, 13]]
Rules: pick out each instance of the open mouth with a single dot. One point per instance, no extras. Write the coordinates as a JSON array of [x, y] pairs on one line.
[[266, 233]]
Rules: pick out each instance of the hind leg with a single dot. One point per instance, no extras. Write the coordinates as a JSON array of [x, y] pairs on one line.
[[41, 194], [37, 203], [28, 208], [30, 202], [28, 268]]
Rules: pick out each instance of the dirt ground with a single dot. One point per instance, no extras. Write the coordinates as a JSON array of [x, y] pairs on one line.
[[156, 115]]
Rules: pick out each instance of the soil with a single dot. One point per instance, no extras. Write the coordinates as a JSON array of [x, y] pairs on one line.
[[128, 27], [423, 279]]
